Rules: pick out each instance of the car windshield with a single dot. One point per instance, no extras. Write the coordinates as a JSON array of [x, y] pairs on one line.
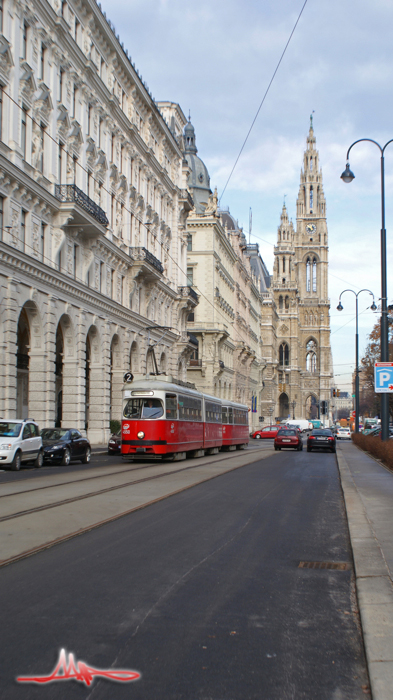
[[137, 409], [286, 432], [54, 434], [10, 429], [322, 432]]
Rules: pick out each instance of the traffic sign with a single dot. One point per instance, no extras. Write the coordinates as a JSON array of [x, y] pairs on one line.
[[383, 377]]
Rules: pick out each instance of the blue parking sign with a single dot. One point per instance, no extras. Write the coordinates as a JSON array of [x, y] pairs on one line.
[[383, 377]]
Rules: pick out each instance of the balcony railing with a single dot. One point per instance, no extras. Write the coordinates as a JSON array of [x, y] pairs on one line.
[[195, 363], [188, 292], [72, 193], [142, 254]]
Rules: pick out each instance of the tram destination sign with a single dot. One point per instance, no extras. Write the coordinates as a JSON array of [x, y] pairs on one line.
[[383, 377]]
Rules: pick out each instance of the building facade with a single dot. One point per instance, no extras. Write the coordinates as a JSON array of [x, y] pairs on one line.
[[93, 209]]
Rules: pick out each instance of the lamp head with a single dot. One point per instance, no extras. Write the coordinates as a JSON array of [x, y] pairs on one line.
[[373, 306], [340, 306], [347, 175]]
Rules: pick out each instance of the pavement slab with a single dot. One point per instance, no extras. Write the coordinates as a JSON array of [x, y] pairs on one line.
[[368, 493]]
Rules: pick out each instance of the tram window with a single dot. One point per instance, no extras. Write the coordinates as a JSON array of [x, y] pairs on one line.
[[224, 415], [241, 416], [171, 406], [213, 412], [190, 408], [230, 415], [137, 409]]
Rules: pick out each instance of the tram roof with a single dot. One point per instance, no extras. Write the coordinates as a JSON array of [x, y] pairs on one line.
[[162, 385]]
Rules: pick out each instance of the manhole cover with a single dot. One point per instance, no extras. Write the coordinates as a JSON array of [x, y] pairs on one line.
[[336, 565]]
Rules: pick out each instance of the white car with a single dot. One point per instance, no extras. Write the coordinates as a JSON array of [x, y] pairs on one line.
[[343, 434], [20, 442]]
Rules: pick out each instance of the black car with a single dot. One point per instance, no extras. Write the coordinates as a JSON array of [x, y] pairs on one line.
[[321, 437], [114, 444], [65, 445]]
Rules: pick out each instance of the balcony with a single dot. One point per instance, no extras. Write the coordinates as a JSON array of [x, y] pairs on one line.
[[195, 363], [146, 263], [188, 292], [83, 210]]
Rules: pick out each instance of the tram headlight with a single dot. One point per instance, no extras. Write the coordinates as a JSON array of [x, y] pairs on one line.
[[141, 435]]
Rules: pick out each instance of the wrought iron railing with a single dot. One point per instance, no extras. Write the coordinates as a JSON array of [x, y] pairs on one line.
[[72, 193], [195, 363], [144, 254], [188, 292]]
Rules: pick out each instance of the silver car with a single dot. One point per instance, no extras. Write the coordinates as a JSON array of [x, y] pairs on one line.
[[20, 442]]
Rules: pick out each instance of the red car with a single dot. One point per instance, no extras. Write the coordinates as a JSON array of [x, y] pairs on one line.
[[269, 432], [288, 438]]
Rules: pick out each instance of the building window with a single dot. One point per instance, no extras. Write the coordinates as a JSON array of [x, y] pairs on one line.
[[63, 8], [113, 209], [311, 163], [76, 260], [99, 132], [74, 168], [43, 229], [40, 164], [89, 108], [60, 162], [280, 300], [23, 132], [61, 77], [284, 355], [42, 63], [112, 148], [1, 16], [283, 264], [59, 261], [311, 356], [1, 217], [23, 229], [90, 188], [308, 275], [287, 302], [113, 284], [189, 242], [190, 276], [314, 275], [102, 277], [24, 40], [123, 289], [311, 198]]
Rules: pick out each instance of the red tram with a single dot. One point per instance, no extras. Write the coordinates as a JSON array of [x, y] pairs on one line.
[[163, 419]]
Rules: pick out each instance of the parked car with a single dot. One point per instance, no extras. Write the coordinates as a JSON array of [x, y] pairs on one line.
[[20, 443], [321, 438], [65, 445], [270, 431], [343, 434], [114, 443], [288, 438]]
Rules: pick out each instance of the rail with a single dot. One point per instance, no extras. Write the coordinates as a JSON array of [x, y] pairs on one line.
[[72, 193]]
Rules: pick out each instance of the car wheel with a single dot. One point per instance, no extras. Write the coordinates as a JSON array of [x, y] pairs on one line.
[[86, 456], [16, 462], [66, 458], [258, 437], [39, 461]]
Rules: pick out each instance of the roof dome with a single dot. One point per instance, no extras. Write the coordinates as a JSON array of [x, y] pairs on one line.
[[199, 179]]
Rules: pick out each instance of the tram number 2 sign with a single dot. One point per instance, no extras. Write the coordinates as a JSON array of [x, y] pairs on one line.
[[383, 377], [128, 377]]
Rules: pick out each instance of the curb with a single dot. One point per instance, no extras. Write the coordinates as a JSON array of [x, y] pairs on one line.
[[373, 586]]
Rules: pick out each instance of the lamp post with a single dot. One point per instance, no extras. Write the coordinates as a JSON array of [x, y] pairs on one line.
[[340, 308], [293, 409], [347, 176]]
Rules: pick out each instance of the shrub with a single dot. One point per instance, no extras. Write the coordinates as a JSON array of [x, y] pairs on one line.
[[114, 426], [378, 448]]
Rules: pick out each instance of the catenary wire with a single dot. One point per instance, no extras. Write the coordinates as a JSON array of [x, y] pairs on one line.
[[264, 97]]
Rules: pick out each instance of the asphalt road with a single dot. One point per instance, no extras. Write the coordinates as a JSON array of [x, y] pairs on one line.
[[201, 593]]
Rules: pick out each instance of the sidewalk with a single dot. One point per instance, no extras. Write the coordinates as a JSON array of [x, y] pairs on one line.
[[368, 493]]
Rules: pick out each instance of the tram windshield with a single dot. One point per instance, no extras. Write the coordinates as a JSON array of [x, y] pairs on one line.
[[138, 409]]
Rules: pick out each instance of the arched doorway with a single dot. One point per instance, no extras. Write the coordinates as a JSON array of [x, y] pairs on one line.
[[115, 380], [312, 409], [59, 376], [87, 381], [22, 366], [134, 358], [284, 405]]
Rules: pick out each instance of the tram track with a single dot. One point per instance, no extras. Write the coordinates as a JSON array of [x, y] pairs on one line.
[[108, 489], [45, 522]]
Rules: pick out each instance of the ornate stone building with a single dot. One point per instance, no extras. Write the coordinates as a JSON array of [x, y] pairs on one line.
[[300, 289], [93, 208]]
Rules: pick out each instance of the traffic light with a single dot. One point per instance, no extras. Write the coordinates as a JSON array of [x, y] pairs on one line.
[[333, 392]]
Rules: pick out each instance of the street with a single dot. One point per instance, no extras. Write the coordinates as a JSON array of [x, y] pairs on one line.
[[201, 593]]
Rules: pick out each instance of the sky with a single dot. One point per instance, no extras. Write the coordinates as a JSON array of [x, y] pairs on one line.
[[216, 59]]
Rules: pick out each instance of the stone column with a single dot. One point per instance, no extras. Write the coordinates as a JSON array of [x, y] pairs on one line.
[[99, 408], [74, 363], [9, 349]]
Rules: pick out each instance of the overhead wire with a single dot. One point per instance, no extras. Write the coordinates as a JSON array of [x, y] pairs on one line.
[[264, 98]]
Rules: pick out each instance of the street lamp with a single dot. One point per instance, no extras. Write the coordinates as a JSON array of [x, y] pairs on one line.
[[347, 176], [340, 308]]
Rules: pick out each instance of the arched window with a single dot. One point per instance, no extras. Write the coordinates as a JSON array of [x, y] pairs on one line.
[[284, 405], [280, 302], [283, 264], [287, 302], [311, 356], [278, 266], [311, 198], [311, 163], [308, 275], [314, 275], [284, 355]]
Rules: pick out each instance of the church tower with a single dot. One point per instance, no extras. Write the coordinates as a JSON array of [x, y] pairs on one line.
[[300, 285]]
